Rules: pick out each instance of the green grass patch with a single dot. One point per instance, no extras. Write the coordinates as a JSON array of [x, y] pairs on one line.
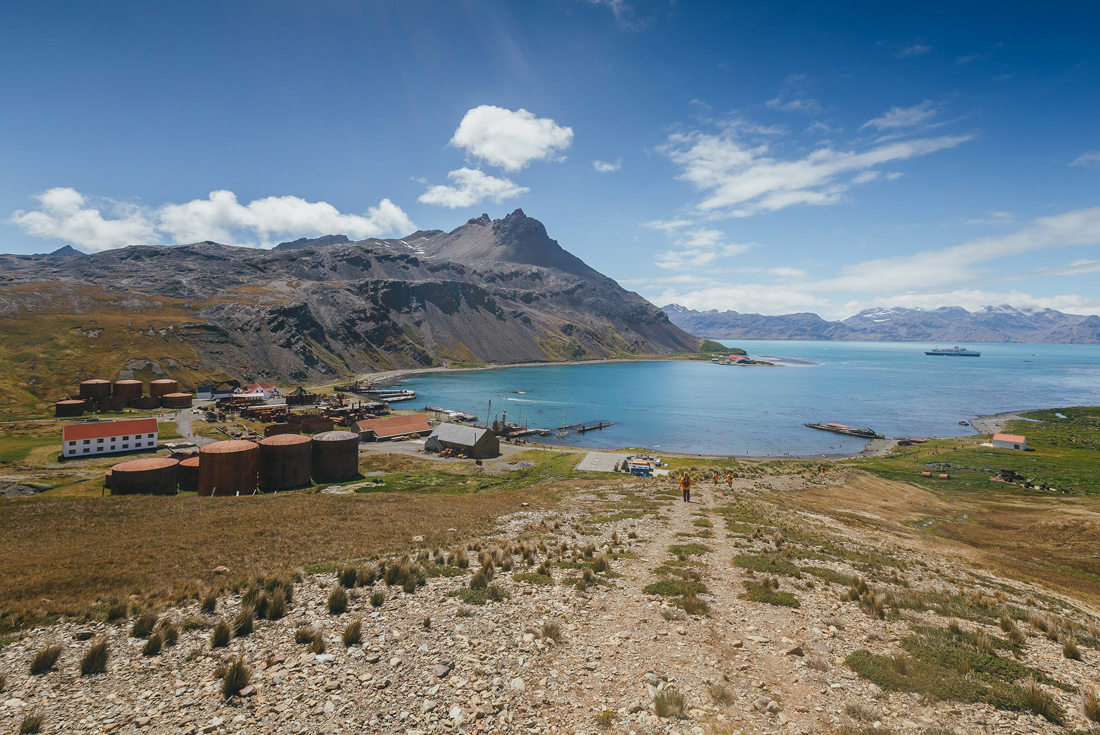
[[533, 578], [932, 679], [766, 565], [756, 592], [688, 549], [674, 588]]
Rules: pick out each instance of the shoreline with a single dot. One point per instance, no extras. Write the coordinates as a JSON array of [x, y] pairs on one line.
[[982, 424]]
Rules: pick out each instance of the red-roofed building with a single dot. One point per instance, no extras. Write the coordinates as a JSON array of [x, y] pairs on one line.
[[393, 427], [106, 437], [262, 389], [1010, 441]]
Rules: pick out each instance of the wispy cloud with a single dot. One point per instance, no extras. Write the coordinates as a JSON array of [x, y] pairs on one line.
[[994, 219], [99, 223], [916, 49], [897, 118], [469, 187], [605, 168], [1092, 158], [697, 248], [741, 178], [624, 13]]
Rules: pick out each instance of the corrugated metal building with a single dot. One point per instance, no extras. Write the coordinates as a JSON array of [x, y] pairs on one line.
[[469, 440], [393, 427]]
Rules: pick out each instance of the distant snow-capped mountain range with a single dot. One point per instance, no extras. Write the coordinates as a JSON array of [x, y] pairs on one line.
[[946, 324]]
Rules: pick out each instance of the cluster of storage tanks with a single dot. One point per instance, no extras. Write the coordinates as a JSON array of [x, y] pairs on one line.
[[108, 396], [238, 467]]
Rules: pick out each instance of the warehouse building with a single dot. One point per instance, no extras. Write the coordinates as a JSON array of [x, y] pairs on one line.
[[1010, 441], [470, 441], [107, 437], [393, 427]]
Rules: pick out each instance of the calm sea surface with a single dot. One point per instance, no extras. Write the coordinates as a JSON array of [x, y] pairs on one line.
[[893, 388]]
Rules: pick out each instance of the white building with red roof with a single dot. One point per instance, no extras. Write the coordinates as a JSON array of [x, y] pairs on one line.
[[261, 389], [107, 437], [1010, 441]]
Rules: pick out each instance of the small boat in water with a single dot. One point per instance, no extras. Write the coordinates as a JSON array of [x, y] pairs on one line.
[[847, 430], [955, 351]]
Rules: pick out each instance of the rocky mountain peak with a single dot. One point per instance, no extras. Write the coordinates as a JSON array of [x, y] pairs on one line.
[[483, 220]]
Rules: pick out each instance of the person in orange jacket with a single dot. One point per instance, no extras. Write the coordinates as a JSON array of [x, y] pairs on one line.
[[729, 479], [685, 485]]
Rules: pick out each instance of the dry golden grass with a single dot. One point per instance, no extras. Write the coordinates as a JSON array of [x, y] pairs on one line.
[[70, 555]]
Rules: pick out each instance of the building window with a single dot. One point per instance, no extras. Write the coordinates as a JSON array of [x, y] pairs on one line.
[[73, 444], [126, 438], [98, 441], [86, 450], [87, 441], [125, 446], [150, 436]]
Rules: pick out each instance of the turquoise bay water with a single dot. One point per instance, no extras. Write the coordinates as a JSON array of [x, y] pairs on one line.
[[891, 387]]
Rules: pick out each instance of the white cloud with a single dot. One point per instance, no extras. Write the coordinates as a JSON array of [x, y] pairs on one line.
[[753, 298], [934, 269], [66, 215], [1076, 268], [742, 180], [623, 12], [605, 168], [510, 139], [697, 248], [798, 104], [1092, 158], [976, 300], [470, 187], [917, 49], [994, 219], [902, 117], [220, 216], [867, 177]]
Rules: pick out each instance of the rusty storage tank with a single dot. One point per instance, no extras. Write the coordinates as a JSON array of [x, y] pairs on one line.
[[68, 408], [276, 429], [285, 461], [95, 388], [176, 400], [163, 387], [145, 402], [316, 424], [152, 476], [114, 403], [228, 468], [107, 480], [189, 475], [127, 389], [335, 456]]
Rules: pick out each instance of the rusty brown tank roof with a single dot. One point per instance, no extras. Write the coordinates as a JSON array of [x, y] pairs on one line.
[[335, 436], [279, 440], [144, 465], [228, 447]]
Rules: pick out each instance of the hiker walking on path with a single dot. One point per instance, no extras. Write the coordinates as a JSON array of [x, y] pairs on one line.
[[729, 479], [685, 485]]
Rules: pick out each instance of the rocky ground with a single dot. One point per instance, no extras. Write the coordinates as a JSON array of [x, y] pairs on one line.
[[430, 662]]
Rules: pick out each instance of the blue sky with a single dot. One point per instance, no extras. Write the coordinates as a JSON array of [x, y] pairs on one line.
[[764, 157]]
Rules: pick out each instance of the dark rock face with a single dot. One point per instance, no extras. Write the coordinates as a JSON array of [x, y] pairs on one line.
[[946, 324], [65, 252], [490, 291], [310, 242]]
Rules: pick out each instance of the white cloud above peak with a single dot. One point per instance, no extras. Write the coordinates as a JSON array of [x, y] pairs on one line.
[[604, 167], [471, 186], [510, 139], [66, 214], [1092, 158]]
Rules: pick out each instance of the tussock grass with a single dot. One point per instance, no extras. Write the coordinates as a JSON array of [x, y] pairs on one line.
[[317, 646], [766, 565], [692, 605], [276, 605], [1090, 703], [1070, 649], [600, 564], [377, 599], [720, 694], [492, 593], [118, 611], [551, 631], [244, 623], [306, 634], [338, 601], [94, 660], [221, 636], [45, 659], [152, 645], [144, 625], [669, 703], [31, 723], [209, 603], [353, 633], [237, 676], [348, 577], [169, 633]]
